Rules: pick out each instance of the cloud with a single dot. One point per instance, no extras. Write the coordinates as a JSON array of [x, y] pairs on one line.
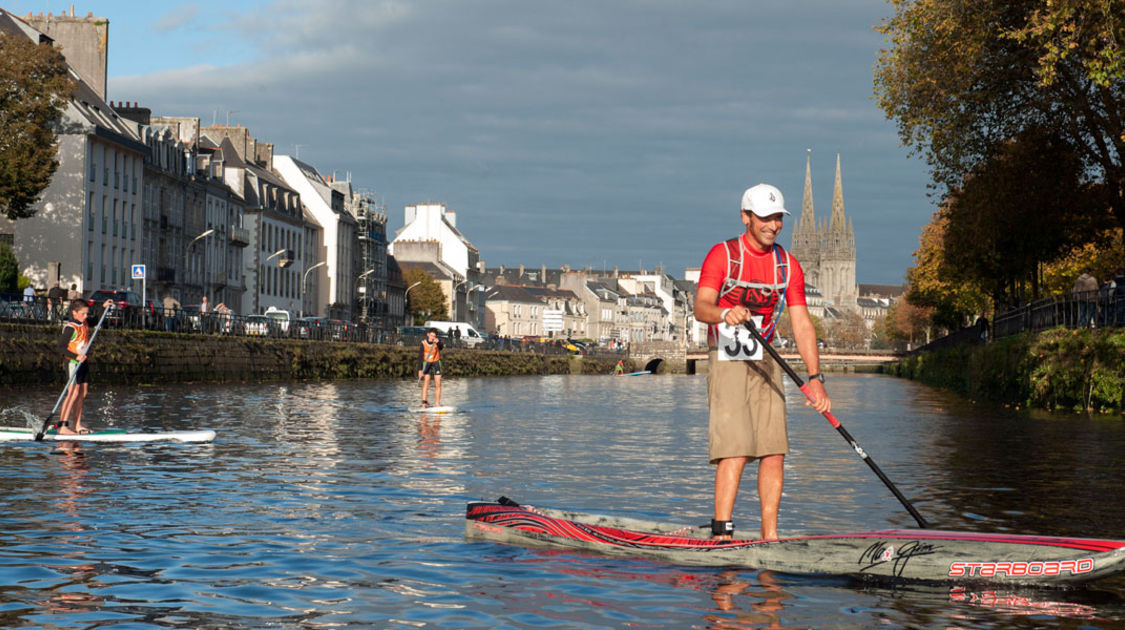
[[177, 18], [615, 116]]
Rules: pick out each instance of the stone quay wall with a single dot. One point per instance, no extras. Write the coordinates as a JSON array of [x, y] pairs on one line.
[[28, 356]]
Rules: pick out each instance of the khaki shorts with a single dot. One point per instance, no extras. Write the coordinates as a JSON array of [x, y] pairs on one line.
[[747, 401]]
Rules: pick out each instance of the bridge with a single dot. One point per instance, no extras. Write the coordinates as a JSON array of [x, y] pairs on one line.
[[663, 356]]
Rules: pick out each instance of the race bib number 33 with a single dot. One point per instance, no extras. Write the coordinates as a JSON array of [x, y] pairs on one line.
[[737, 344]]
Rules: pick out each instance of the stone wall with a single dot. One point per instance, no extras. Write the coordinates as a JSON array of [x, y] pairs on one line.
[[27, 356]]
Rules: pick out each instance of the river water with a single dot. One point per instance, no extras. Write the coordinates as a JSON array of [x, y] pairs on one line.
[[329, 505]]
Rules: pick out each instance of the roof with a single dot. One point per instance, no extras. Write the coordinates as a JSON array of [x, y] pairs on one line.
[[509, 293], [434, 270], [882, 290]]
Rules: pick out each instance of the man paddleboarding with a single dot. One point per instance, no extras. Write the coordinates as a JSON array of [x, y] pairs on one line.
[[748, 280], [429, 357]]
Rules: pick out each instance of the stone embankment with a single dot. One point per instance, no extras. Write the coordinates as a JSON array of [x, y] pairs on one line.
[[27, 356], [1056, 369]]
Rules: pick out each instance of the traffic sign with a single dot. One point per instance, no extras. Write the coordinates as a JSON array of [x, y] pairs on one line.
[[138, 272]]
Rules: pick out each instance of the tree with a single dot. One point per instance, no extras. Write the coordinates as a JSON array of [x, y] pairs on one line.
[[427, 300], [848, 331], [961, 77], [1100, 256], [9, 270], [907, 322], [935, 286], [1024, 205], [35, 85]]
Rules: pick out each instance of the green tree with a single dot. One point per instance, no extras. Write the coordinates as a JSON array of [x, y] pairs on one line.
[[9, 270], [35, 85], [1023, 206], [427, 300], [962, 77]]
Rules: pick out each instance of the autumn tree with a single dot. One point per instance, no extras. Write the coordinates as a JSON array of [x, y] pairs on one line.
[[907, 322], [35, 85], [936, 285], [962, 77], [426, 299], [848, 331]]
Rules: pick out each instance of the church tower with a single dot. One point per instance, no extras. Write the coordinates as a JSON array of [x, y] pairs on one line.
[[806, 243], [826, 250], [837, 259]]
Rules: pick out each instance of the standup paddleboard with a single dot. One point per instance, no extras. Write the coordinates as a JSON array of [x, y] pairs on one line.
[[22, 434], [641, 373], [906, 554], [435, 409]]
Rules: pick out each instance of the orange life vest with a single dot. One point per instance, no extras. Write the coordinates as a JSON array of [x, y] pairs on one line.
[[430, 352], [80, 338]]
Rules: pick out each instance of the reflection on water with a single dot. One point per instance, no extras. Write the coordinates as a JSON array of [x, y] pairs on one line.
[[332, 505]]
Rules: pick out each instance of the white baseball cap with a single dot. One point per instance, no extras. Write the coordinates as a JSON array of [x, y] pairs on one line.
[[763, 200]]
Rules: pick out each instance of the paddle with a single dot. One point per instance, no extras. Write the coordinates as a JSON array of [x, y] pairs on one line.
[[839, 427], [70, 381]]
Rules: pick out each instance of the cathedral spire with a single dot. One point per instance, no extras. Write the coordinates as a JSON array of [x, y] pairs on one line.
[[838, 222], [807, 224]]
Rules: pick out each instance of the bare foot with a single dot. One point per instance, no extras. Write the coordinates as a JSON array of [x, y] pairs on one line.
[[65, 430]]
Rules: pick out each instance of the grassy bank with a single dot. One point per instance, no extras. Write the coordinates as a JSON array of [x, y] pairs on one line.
[[1057, 369]]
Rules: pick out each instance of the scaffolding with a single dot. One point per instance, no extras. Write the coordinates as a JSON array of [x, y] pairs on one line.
[[371, 228]]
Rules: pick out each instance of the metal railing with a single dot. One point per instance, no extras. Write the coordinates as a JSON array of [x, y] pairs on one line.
[[188, 320], [1090, 309]]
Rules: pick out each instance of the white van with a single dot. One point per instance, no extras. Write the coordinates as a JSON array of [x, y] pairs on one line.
[[280, 317], [469, 335]]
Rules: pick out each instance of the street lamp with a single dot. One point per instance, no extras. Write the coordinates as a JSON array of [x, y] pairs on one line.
[[304, 280], [205, 234], [405, 295]]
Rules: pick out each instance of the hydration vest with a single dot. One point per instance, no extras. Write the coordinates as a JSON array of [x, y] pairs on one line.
[[763, 290]]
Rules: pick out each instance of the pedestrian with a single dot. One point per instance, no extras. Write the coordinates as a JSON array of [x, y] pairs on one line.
[[1119, 296], [1084, 292], [29, 293], [171, 307], [73, 293], [456, 335], [204, 317], [429, 358], [748, 280], [56, 298], [73, 344]]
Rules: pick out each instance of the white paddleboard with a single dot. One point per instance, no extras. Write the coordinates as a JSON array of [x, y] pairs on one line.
[[434, 409], [20, 434]]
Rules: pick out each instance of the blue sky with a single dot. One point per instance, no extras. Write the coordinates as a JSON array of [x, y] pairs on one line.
[[587, 133]]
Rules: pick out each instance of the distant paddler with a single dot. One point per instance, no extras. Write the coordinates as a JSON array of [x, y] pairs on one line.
[[429, 358]]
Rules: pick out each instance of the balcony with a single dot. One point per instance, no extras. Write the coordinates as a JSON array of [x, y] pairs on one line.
[[239, 237]]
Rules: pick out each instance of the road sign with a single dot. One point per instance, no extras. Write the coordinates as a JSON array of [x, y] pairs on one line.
[[552, 320], [138, 272]]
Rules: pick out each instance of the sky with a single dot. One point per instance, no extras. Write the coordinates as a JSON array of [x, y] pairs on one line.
[[587, 132]]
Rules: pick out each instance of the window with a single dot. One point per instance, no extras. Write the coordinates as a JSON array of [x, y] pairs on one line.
[[115, 217], [90, 213]]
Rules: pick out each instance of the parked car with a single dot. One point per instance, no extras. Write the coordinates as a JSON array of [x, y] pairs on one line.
[[257, 325], [413, 335], [128, 306], [189, 319]]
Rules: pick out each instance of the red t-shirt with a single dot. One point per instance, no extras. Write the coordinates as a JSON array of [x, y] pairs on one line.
[[757, 267]]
